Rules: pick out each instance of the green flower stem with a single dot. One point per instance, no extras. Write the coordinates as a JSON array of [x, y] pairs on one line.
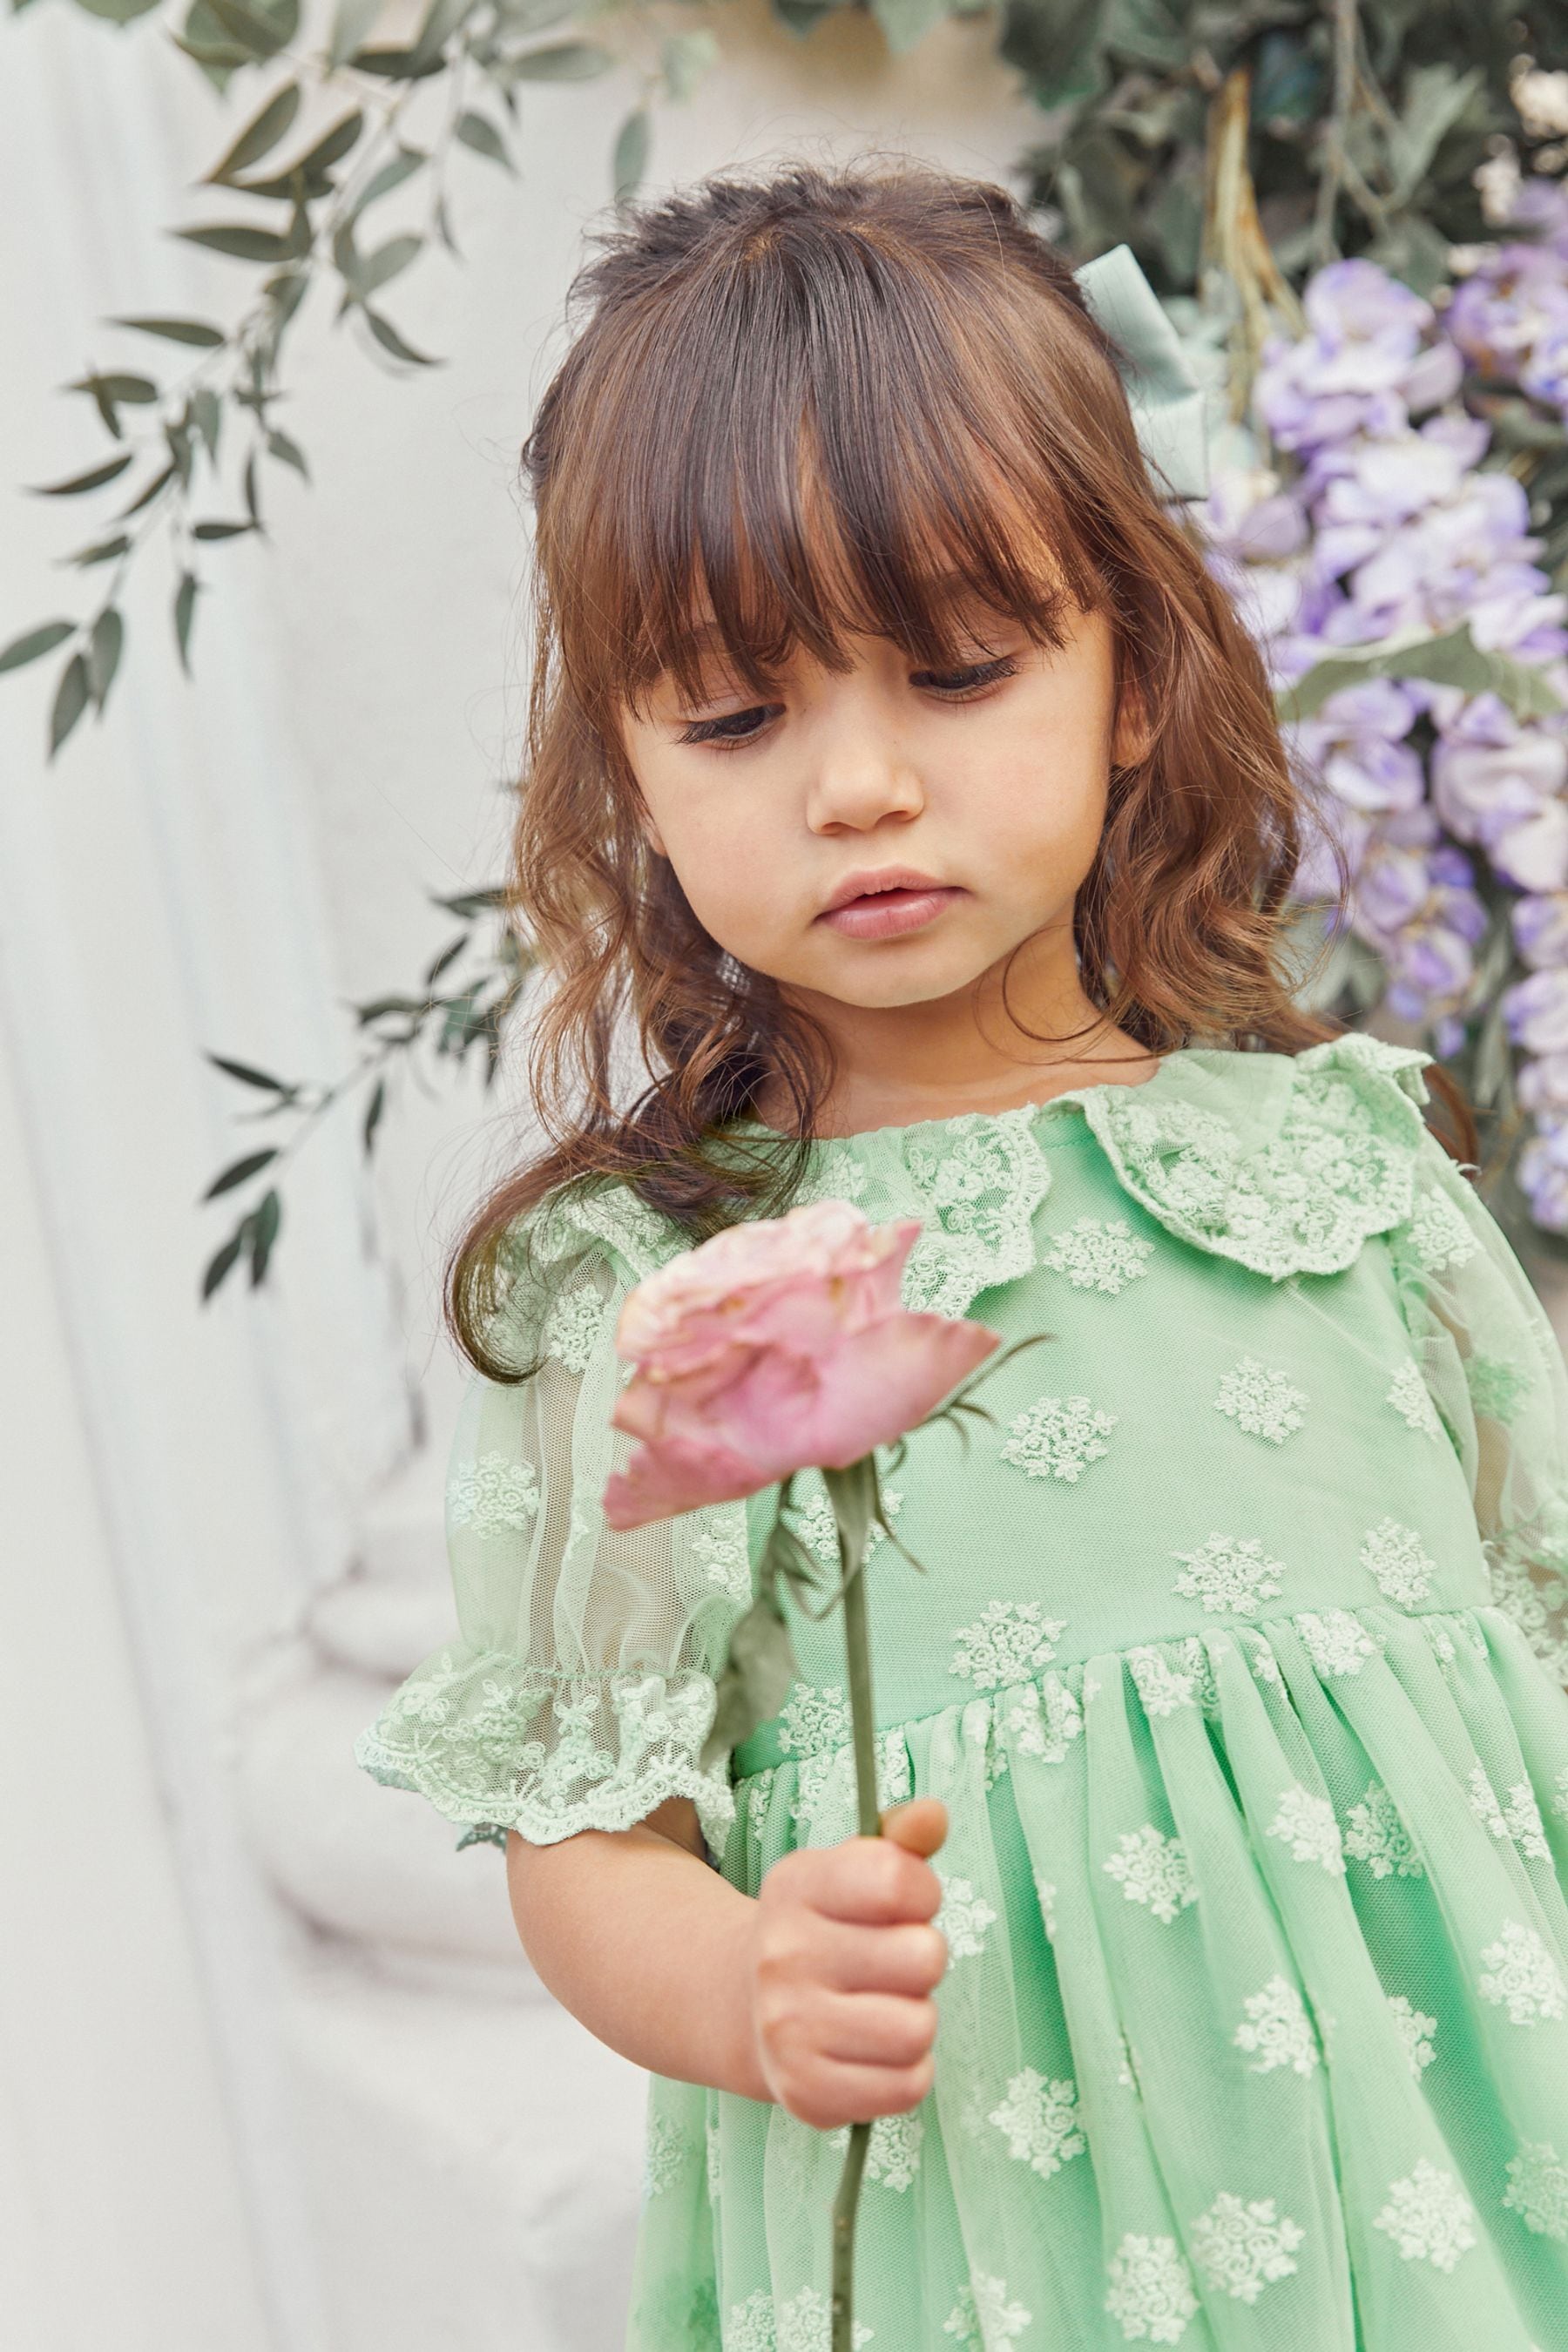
[[862, 1723]]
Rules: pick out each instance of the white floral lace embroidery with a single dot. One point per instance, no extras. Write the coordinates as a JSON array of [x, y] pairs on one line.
[[1151, 2289], [1376, 1834], [1008, 1642], [1538, 2189], [1278, 2029], [1055, 1437], [804, 2323], [813, 1717], [1428, 2216], [976, 1194], [1337, 1168], [964, 1917], [711, 2133], [664, 2152], [1394, 1556], [1414, 2031], [1153, 1869], [573, 1324], [1306, 1825], [1336, 1642], [1101, 1254], [1162, 1689], [1412, 1400], [984, 2316], [1038, 2119], [819, 1528], [1560, 1799], [1046, 1896], [493, 1496], [1229, 1572], [1537, 1605], [1439, 1234], [1242, 2248], [1520, 1971], [719, 1548], [460, 1733], [1042, 1717], [1260, 1401], [893, 2150], [1522, 1821]]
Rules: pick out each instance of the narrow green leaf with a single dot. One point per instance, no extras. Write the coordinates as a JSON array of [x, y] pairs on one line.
[[103, 654], [562, 61], [905, 23], [260, 136], [375, 269], [249, 1074], [116, 12], [629, 160], [373, 1113], [104, 550], [221, 530], [395, 64], [448, 957], [80, 482], [223, 1261], [387, 336], [184, 606], [392, 174], [251, 508], [72, 698], [687, 57], [239, 244], [1453, 658], [352, 20], [36, 643], [207, 415], [134, 390], [475, 130], [239, 1172], [267, 1216], [290, 453], [176, 331], [248, 27], [179, 440], [146, 498], [442, 19]]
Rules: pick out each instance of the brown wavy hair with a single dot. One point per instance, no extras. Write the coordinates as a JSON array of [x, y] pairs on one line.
[[810, 406]]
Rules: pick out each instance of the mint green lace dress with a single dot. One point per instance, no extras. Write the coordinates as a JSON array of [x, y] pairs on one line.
[[1237, 1661]]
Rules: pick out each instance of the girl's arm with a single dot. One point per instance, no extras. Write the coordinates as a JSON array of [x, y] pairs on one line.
[[645, 1944], [815, 1994]]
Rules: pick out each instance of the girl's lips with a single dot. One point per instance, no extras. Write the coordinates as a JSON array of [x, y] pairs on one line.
[[882, 914]]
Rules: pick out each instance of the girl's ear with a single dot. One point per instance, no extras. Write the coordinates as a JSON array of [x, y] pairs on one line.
[[1132, 735]]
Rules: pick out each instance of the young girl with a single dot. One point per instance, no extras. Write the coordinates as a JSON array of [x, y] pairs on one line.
[[897, 767]]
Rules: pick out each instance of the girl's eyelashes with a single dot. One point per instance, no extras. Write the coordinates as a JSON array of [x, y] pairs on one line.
[[736, 727], [959, 685], [732, 727]]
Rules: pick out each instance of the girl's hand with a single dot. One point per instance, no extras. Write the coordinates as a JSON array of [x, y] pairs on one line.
[[842, 1959]]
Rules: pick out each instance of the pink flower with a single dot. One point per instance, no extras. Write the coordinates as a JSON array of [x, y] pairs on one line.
[[777, 1346]]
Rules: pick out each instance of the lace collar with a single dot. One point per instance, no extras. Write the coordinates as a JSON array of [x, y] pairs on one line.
[[1284, 1163]]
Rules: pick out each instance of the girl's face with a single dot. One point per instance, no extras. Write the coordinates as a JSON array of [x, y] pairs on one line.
[[981, 788]]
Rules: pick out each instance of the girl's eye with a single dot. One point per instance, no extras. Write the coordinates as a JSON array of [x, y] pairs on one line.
[[735, 727], [958, 685]]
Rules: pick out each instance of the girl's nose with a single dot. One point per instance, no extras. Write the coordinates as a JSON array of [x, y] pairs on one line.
[[859, 775]]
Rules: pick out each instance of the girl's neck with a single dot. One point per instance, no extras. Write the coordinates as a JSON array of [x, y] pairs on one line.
[[896, 1068]]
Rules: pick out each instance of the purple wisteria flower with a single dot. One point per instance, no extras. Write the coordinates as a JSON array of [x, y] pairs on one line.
[[1388, 517]]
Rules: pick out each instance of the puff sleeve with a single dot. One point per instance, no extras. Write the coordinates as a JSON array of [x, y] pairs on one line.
[[580, 1682], [1494, 1369]]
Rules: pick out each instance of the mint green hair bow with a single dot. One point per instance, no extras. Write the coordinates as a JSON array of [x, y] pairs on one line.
[[1165, 397]]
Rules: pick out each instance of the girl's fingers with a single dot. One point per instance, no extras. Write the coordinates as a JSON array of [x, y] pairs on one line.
[[910, 1960], [858, 2094], [875, 2029]]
